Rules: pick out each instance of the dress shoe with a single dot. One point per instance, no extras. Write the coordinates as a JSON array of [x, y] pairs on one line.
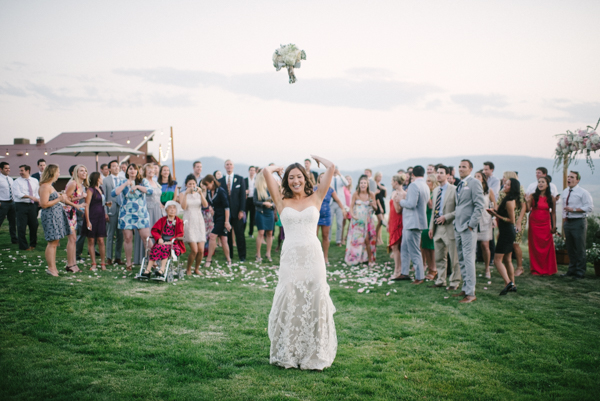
[[119, 262], [566, 275], [436, 286], [402, 277], [452, 288], [460, 294], [109, 262], [513, 288], [468, 299], [417, 282]]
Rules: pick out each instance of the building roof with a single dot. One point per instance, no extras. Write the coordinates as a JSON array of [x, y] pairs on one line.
[[30, 153]]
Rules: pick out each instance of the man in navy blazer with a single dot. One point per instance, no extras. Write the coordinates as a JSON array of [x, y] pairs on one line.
[[235, 187], [414, 221]]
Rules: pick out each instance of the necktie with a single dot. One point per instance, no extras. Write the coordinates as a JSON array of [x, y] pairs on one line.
[[229, 184], [568, 196], [30, 190], [9, 188], [438, 203], [459, 187]]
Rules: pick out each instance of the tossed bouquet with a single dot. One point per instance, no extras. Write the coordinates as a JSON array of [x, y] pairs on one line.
[[288, 56]]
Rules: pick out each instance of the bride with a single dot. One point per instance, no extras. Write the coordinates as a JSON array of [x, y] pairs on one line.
[[301, 327]]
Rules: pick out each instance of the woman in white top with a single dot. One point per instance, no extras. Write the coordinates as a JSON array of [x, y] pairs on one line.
[[192, 201], [484, 232]]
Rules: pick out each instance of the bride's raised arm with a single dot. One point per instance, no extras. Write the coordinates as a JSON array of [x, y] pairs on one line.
[[273, 186], [327, 177]]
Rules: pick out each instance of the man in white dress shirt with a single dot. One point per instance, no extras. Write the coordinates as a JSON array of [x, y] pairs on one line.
[[250, 199], [577, 205], [338, 183], [7, 203], [539, 173], [26, 194]]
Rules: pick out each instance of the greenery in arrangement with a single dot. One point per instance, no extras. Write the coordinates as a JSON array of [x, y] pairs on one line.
[[559, 242], [106, 336], [593, 231]]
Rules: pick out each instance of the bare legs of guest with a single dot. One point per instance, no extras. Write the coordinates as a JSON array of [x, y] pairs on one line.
[[51, 258], [266, 237], [519, 255], [101, 249], [429, 261], [128, 243], [325, 241], [485, 250], [71, 246], [212, 245], [397, 260], [503, 263], [378, 229], [195, 257]]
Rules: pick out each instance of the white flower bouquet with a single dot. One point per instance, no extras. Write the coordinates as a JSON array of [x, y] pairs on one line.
[[288, 56], [582, 141]]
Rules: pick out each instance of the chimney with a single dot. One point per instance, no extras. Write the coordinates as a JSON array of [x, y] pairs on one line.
[[21, 141], [39, 141]]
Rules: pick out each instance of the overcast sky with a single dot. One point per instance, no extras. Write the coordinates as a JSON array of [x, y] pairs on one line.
[[382, 79]]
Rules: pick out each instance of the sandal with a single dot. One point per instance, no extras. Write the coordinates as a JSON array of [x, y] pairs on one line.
[[52, 274], [160, 273], [93, 268], [207, 264], [103, 266], [431, 275], [146, 273], [258, 260], [128, 268]]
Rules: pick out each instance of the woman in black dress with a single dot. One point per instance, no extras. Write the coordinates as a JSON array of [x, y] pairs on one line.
[[217, 199], [95, 219], [380, 212], [505, 215]]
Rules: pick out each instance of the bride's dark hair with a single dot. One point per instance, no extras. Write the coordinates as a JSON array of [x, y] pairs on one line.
[[286, 190]]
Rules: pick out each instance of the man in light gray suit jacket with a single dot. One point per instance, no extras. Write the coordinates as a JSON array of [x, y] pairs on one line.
[[112, 213], [441, 230], [469, 207], [414, 221]]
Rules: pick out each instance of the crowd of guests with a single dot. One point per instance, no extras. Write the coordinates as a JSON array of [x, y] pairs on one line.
[[437, 221]]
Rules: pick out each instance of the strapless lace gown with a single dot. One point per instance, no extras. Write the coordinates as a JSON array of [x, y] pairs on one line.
[[301, 326]]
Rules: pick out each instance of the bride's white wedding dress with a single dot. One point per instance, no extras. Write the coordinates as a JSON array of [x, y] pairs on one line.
[[301, 327]]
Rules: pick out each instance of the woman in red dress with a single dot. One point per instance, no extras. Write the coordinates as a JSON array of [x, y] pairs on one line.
[[395, 222], [542, 224]]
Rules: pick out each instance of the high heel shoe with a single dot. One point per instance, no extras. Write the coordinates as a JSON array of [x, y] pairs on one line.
[[507, 288], [258, 260]]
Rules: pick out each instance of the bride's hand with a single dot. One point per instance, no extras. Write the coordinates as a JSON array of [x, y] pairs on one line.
[[317, 159]]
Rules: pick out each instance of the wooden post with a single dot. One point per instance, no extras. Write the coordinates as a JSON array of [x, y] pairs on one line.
[[173, 154], [565, 170]]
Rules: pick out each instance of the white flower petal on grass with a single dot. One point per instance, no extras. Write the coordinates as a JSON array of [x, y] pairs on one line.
[[387, 295], [485, 288]]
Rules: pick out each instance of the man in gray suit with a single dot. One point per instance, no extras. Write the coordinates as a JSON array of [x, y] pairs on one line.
[[112, 214], [414, 220], [441, 230], [469, 207]]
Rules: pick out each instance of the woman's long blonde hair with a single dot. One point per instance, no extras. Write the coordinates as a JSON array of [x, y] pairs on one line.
[[75, 177], [49, 174], [434, 181], [260, 184], [510, 174]]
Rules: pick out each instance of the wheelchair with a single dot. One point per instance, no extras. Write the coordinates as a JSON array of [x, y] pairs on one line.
[[174, 268]]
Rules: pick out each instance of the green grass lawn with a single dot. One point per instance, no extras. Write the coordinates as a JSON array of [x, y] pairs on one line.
[[107, 336]]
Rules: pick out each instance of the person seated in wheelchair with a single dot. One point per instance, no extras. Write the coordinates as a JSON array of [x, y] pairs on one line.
[[167, 234]]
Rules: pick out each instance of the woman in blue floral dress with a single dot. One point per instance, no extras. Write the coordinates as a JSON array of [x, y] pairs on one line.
[[134, 212], [325, 217]]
